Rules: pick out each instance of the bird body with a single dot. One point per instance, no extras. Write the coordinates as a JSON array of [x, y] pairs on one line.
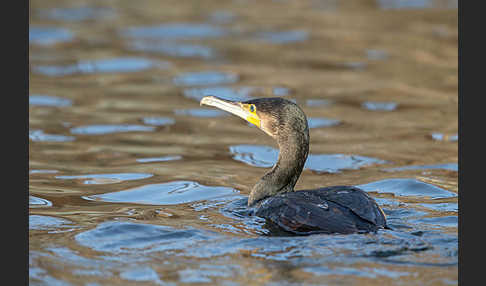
[[335, 209]]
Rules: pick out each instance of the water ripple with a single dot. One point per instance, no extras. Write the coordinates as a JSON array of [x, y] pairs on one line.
[[40, 136], [107, 129], [175, 31], [126, 237], [113, 65], [158, 121], [448, 166], [159, 159], [284, 37], [77, 14], [107, 178], [379, 106], [200, 112], [316, 122], [35, 202], [237, 93], [46, 100], [266, 156], [407, 187], [171, 193], [173, 49], [205, 78], [49, 223], [49, 35]]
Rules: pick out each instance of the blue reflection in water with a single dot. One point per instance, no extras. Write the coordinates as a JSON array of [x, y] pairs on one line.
[[284, 37], [205, 78], [200, 112], [448, 166], [442, 137], [107, 178], [114, 65], [416, 4], [126, 237], [141, 274], [49, 35], [171, 193], [46, 100], [236, 93], [158, 121], [317, 102], [40, 136], [35, 202], [110, 128], [376, 55], [49, 223], [379, 106], [407, 187], [175, 31], [316, 122], [77, 14], [171, 48], [266, 156], [159, 159], [166, 39]]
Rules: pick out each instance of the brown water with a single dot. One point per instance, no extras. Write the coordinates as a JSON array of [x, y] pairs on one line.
[[133, 183]]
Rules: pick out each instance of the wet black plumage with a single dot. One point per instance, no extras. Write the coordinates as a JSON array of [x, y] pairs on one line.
[[335, 209]]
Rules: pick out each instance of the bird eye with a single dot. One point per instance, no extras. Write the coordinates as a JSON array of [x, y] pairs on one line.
[[252, 108]]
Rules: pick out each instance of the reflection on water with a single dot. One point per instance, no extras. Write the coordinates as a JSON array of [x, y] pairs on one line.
[[173, 49], [175, 31], [166, 39], [321, 122], [407, 187], [317, 102], [265, 156], [35, 202], [417, 4], [131, 182], [107, 129], [77, 14], [101, 66], [238, 93], [380, 106], [39, 135], [449, 166], [51, 224], [107, 178], [376, 55], [43, 171], [49, 35], [159, 159], [205, 78], [284, 37], [280, 91], [200, 112], [158, 121], [178, 192], [46, 100], [444, 137]]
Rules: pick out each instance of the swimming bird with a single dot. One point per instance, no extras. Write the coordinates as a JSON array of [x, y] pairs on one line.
[[334, 209]]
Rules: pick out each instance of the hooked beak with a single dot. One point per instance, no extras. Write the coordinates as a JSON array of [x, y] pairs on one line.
[[234, 107]]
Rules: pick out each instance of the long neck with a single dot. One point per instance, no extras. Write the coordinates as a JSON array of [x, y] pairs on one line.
[[282, 178]]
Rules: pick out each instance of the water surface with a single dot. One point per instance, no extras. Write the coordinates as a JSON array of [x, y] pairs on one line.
[[265, 156], [171, 193], [132, 182]]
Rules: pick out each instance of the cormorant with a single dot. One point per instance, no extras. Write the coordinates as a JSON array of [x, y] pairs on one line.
[[335, 209]]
